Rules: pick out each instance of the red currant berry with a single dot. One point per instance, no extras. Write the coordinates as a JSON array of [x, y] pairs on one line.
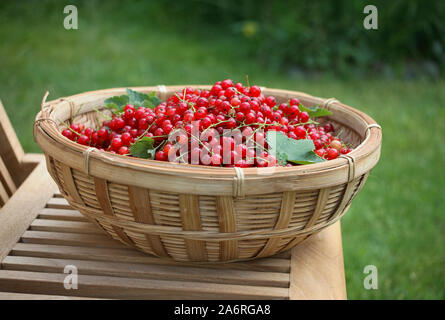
[[229, 92], [161, 156], [300, 132], [116, 144], [335, 144], [119, 123], [216, 160], [75, 127], [202, 103], [123, 150], [255, 91], [126, 138], [84, 140], [303, 117], [320, 152], [239, 116], [68, 134], [250, 118], [235, 102], [328, 127], [331, 153], [226, 83], [270, 101], [294, 102], [293, 112]]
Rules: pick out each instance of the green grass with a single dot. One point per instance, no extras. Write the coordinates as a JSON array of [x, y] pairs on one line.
[[396, 223]]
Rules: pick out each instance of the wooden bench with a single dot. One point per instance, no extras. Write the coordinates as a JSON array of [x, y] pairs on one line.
[[40, 234]]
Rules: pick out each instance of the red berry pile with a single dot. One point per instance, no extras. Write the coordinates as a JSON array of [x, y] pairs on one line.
[[243, 112]]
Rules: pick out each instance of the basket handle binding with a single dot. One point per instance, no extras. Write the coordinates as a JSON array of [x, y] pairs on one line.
[[327, 103], [351, 160], [162, 92], [238, 183], [87, 159]]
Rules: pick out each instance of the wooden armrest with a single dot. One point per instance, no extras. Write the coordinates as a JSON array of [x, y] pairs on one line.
[[22, 208], [317, 269]]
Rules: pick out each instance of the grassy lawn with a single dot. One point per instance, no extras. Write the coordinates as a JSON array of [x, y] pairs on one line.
[[396, 223]]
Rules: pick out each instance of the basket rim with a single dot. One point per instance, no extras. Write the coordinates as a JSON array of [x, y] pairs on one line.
[[47, 130]]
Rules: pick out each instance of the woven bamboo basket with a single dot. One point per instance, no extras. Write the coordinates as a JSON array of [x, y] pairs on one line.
[[198, 213]]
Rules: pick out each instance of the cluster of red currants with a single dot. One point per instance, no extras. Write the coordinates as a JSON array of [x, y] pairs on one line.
[[232, 120]]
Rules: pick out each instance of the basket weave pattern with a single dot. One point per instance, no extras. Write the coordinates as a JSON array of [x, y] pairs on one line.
[[198, 216]]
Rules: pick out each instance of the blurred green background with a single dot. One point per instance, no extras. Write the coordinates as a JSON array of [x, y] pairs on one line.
[[395, 74]]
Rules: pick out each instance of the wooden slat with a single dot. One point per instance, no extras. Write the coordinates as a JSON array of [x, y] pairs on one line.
[[61, 214], [64, 226], [317, 270], [10, 148], [144, 271], [227, 223], [4, 196], [71, 239], [141, 207], [58, 203], [23, 207], [191, 221], [283, 255], [130, 288], [27, 296], [103, 197], [286, 211], [133, 256]]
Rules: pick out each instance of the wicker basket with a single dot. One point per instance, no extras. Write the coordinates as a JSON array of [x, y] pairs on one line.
[[205, 214]]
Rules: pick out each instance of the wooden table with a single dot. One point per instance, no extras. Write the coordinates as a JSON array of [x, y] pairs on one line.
[[40, 234]]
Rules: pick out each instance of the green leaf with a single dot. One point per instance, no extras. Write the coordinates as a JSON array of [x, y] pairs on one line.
[[281, 158], [143, 148], [290, 150], [137, 104], [112, 106], [153, 99], [315, 111], [136, 97], [118, 101], [142, 99], [149, 104]]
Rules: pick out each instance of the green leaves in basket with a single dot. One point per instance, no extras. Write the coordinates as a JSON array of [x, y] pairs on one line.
[[117, 103], [152, 101], [142, 99], [143, 148], [315, 111], [139, 99], [290, 150]]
